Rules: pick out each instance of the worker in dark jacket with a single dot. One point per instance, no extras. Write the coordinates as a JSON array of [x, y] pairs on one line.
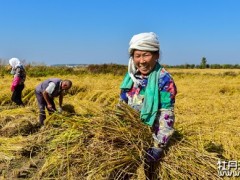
[[18, 81], [47, 91]]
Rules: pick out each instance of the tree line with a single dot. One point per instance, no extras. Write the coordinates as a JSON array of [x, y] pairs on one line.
[[204, 65], [108, 68]]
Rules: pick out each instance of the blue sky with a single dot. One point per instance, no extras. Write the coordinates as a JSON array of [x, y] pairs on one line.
[[98, 31]]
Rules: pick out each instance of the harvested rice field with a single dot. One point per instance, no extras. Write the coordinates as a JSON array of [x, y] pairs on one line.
[[95, 139]]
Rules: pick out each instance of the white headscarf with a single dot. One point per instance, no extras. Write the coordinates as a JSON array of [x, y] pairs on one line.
[[14, 62], [145, 42]]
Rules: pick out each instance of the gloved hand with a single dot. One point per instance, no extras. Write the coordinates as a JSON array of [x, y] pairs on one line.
[[60, 109], [50, 108], [154, 154]]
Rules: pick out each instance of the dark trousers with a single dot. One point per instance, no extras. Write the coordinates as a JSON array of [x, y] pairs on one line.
[[17, 95], [42, 104]]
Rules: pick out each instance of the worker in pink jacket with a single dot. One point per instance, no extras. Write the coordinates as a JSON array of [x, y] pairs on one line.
[[18, 81]]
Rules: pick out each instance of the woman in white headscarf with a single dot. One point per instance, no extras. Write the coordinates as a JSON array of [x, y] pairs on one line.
[[18, 81], [150, 89]]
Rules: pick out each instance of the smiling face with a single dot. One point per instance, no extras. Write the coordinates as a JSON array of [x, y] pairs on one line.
[[145, 61]]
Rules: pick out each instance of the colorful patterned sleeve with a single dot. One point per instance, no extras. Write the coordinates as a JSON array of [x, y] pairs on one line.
[[163, 127], [167, 89]]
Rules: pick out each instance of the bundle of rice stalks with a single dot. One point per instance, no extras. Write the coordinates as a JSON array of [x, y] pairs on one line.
[[108, 146], [112, 145], [9, 147], [184, 161], [119, 144], [21, 126]]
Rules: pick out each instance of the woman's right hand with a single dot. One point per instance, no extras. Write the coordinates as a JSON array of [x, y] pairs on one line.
[[49, 106]]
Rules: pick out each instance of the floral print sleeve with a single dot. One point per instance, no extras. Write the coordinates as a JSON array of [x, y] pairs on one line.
[[163, 126], [167, 89]]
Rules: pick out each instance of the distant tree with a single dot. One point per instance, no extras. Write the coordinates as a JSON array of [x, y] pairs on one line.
[[215, 66], [186, 66], [203, 63], [197, 66], [236, 66], [192, 66], [226, 66]]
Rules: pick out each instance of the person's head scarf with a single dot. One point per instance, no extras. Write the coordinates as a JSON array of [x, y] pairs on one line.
[[15, 62], [144, 42]]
